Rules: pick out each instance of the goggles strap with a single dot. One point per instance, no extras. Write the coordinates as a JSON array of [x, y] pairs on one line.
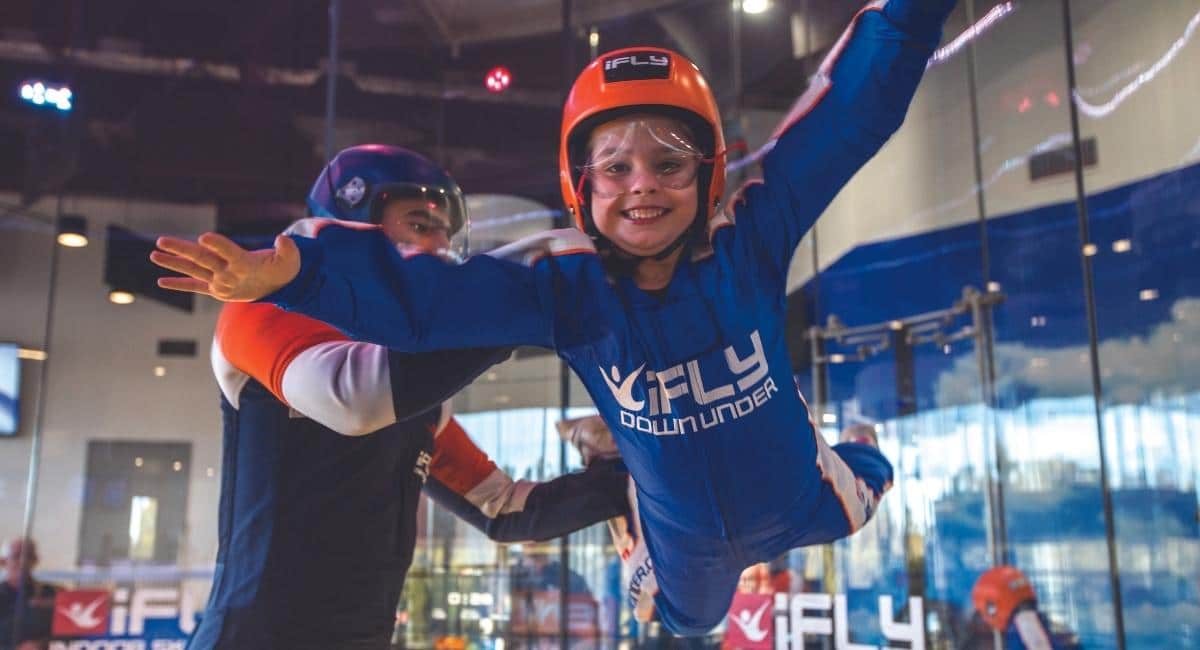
[[722, 154]]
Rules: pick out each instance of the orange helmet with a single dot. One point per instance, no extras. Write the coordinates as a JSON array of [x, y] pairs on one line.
[[998, 593], [640, 80]]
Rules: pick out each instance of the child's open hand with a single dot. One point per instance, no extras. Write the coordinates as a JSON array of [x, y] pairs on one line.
[[216, 266]]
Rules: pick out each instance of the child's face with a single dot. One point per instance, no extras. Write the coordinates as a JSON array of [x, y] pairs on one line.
[[642, 170]]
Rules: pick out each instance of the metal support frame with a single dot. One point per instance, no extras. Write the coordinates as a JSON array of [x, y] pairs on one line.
[[331, 78], [564, 372], [1089, 294], [39, 427]]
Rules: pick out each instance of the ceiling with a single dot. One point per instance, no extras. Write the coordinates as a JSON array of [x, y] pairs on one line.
[[224, 101]]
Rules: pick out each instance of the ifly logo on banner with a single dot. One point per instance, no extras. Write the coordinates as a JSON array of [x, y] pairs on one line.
[[824, 615], [144, 618]]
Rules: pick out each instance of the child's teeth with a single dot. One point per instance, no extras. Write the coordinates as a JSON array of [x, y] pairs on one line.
[[645, 213]]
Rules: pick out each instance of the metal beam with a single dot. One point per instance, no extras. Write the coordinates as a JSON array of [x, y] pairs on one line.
[[26, 52]]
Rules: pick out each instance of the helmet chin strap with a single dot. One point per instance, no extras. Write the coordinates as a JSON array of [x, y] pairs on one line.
[[659, 256], [625, 262]]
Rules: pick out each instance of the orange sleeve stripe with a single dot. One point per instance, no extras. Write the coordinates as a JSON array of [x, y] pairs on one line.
[[262, 340], [457, 462]]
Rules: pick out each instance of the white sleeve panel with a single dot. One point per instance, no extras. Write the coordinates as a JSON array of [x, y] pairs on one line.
[[344, 385], [230, 379], [444, 418], [1029, 628], [529, 250]]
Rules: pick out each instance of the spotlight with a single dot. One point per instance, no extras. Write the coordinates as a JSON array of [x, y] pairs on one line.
[[498, 79], [40, 93], [72, 231]]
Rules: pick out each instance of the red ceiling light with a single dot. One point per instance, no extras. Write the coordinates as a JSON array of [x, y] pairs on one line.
[[498, 79]]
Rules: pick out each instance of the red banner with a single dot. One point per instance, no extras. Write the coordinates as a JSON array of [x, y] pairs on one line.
[[81, 613], [751, 625]]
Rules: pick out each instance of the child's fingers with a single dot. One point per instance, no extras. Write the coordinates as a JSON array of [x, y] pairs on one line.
[[189, 285], [222, 246], [181, 265], [286, 248], [191, 251]]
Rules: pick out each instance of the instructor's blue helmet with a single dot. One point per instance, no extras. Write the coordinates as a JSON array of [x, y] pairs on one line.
[[360, 180]]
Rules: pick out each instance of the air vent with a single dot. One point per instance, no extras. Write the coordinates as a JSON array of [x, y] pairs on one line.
[[1061, 160], [176, 348]]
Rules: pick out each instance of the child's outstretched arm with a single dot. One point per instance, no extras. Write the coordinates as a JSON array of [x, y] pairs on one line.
[[216, 266], [856, 101], [355, 280]]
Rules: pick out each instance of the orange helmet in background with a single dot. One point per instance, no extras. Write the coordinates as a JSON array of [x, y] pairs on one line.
[[998, 593], [632, 81]]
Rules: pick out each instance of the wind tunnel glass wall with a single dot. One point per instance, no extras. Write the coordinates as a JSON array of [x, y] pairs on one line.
[[1136, 86], [995, 439], [464, 586]]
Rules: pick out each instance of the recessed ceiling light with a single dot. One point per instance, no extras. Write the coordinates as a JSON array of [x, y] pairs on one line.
[[755, 6], [118, 297]]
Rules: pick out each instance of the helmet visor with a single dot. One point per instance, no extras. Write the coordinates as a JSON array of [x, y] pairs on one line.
[[631, 154], [426, 213]]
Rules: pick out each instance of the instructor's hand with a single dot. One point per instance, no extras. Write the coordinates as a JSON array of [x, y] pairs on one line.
[[590, 436], [217, 267]]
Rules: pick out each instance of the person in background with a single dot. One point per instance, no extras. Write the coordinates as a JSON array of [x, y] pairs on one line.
[[26, 604], [1006, 601]]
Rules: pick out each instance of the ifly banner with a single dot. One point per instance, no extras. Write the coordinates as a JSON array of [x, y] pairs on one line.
[[126, 618]]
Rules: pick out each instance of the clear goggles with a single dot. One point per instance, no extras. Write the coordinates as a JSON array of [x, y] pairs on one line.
[[438, 208], [641, 152]]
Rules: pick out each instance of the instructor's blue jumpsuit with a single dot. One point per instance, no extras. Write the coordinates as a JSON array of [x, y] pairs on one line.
[[694, 383]]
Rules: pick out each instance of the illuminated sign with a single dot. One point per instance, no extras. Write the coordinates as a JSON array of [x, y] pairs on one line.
[[142, 618], [809, 614]]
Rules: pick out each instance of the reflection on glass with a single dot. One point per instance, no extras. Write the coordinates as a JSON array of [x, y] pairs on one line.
[[143, 519], [1136, 92], [466, 588]]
